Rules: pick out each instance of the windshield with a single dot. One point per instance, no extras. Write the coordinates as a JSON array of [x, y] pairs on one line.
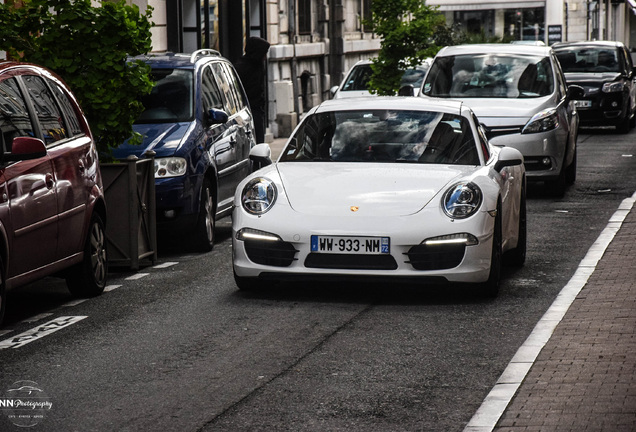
[[170, 100], [359, 77], [588, 59], [384, 136], [490, 76]]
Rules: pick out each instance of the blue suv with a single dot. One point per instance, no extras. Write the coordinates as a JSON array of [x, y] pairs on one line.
[[198, 122]]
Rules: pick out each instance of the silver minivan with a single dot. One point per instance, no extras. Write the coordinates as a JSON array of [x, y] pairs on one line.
[[519, 94]]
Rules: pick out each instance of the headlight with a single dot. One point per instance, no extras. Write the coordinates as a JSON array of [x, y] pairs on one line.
[[258, 195], [170, 167], [612, 87], [542, 121], [462, 200]]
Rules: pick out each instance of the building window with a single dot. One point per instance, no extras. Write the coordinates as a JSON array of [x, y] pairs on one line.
[[304, 17], [366, 15]]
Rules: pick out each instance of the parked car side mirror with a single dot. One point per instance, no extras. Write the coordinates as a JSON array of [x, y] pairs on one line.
[[216, 116], [260, 155], [407, 90], [333, 90], [575, 92], [508, 156], [25, 148]]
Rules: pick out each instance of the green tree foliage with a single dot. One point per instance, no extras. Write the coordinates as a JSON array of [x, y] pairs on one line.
[[407, 29], [88, 47]]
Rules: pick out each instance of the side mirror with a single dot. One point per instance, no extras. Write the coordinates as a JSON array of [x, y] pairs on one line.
[[575, 92], [260, 155], [508, 156], [406, 90], [25, 148], [216, 116], [333, 90]]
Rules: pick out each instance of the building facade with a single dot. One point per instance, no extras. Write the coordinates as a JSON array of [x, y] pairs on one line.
[[314, 42]]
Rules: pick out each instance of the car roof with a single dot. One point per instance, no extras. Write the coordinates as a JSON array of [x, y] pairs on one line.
[[600, 44], [179, 60], [494, 48], [391, 102]]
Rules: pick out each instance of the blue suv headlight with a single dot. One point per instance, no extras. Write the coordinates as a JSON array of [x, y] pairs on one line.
[[170, 167], [542, 122]]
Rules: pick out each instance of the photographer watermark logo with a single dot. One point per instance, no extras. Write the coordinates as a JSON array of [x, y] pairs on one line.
[[25, 403]]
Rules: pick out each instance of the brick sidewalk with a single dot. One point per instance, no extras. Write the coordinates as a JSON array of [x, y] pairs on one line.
[[584, 379]]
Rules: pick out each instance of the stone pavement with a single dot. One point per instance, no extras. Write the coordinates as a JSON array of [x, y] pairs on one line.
[[577, 371]]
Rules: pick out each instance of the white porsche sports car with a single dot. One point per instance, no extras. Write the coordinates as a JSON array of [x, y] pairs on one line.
[[397, 187]]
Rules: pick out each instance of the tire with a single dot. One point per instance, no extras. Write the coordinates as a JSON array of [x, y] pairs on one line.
[[626, 124], [517, 257], [3, 292], [556, 188], [203, 236], [88, 278], [570, 172], [246, 283], [490, 288]]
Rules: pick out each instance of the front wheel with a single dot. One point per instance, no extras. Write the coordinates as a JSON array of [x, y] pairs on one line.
[[3, 295], [88, 278], [246, 283], [490, 288], [517, 256], [203, 236]]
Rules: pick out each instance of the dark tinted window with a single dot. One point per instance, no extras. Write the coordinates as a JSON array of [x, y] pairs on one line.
[[74, 127], [171, 98], [227, 88], [588, 59], [51, 122], [241, 99], [384, 136], [14, 116], [210, 91]]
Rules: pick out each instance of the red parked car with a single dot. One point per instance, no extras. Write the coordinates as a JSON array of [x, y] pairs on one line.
[[52, 210]]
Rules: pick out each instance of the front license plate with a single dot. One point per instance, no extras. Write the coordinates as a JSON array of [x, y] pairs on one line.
[[583, 103], [350, 245]]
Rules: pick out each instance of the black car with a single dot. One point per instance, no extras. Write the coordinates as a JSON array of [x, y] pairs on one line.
[[605, 71], [198, 122]]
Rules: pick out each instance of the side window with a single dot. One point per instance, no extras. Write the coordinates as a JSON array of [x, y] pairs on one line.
[[226, 88], [236, 86], [483, 141], [14, 116], [210, 90], [74, 125], [47, 111]]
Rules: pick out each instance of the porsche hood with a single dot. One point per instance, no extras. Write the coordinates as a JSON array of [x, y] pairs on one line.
[[338, 189]]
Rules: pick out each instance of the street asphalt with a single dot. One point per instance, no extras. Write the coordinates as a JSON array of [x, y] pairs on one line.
[[577, 370]]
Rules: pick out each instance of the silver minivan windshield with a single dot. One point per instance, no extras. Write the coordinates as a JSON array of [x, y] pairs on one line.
[[490, 76]]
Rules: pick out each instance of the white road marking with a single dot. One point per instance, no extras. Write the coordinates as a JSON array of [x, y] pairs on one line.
[[73, 302], [111, 287], [137, 276], [165, 265], [40, 331], [496, 402]]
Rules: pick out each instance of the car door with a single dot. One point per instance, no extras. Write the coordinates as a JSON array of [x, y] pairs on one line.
[[73, 161], [218, 136], [28, 189], [228, 175], [244, 120]]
